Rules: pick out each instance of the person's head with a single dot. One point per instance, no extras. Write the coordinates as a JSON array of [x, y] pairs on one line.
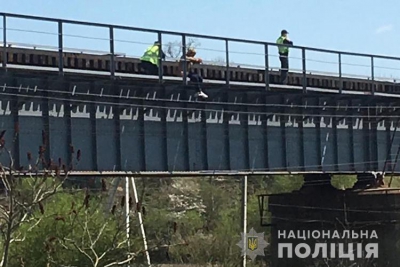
[[191, 52], [284, 33], [157, 43]]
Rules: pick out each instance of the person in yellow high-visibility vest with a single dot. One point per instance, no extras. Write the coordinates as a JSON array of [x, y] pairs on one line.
[[149, 62], [284, 54]]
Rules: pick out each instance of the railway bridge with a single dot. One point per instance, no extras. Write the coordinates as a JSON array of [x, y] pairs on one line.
[[123, 121], [95, 113]]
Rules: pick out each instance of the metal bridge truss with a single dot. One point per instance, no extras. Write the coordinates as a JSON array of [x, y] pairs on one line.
[[124, 126]]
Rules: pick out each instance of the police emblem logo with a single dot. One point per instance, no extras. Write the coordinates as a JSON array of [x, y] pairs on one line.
[[253, 244]]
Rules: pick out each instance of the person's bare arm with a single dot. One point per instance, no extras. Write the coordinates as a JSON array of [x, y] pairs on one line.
[[191, 59], [194, 60]]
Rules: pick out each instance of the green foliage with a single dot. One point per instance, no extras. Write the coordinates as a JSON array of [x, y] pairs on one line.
[[343, 181], [24, 196], [216, 238], [189, 220], [278, 184], [67, 230], [395, 180]]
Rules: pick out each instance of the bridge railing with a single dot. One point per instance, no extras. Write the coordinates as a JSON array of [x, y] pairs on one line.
[[268, 50]]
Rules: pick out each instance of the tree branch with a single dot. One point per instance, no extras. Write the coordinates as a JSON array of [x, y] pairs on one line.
[[80, 250], [130, 257], [86, 229]]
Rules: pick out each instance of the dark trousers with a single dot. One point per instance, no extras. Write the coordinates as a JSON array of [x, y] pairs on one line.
[[149, 68], [284, 68], [196, 79]]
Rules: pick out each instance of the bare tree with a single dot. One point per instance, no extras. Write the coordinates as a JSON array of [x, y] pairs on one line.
[[99, 238], [25, 195], [220, 61], [174, 49], [94, 228]]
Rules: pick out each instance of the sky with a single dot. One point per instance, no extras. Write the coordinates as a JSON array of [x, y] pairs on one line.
[[364, 26]]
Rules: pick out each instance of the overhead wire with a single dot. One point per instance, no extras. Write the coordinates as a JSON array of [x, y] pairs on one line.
[[210, 49], [247, 170], [162, 107], [291, 170], [306, 166], [338, 108]]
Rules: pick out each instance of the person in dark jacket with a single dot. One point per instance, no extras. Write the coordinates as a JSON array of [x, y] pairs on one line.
[[284, 55]]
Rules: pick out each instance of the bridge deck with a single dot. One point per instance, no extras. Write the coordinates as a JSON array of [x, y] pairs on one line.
[[91, 64]]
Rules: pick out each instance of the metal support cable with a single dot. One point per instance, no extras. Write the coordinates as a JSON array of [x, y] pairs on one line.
[[200, 48], [305, 106], [126, 105]]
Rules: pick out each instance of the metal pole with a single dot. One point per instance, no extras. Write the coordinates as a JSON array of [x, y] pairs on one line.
[[244, 214], [4, 41], [372, 75], [141, 222], [184, 69], [60, 49], [112, 53], [303, 56], [127, 221], [227, 61], [266, 77], [340, 73], [160, 66]]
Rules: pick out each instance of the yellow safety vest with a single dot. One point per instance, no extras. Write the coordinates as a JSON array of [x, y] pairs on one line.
[[151, 55], [282, 49]]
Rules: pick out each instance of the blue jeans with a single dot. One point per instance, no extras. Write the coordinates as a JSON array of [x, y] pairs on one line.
[[196, 79]]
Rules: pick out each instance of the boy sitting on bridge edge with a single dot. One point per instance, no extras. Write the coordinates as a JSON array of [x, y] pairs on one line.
[[194, 77]]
